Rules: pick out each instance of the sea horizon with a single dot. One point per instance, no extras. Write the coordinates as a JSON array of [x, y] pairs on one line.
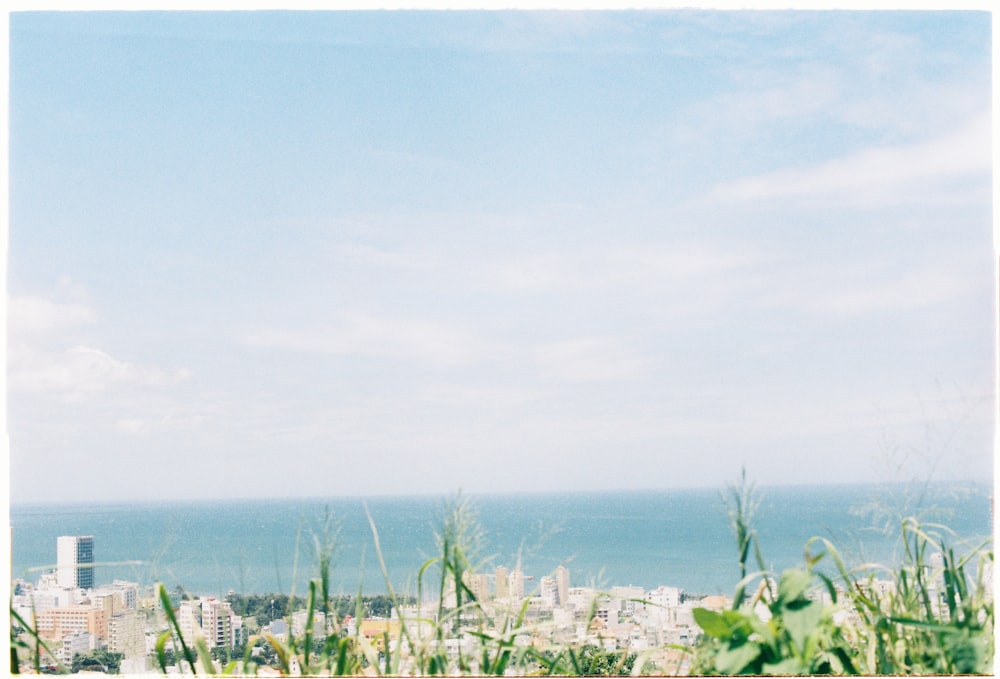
[[678, 537], [445, 495]]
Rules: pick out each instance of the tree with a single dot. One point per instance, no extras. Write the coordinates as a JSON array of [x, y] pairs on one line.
[[100, 660]]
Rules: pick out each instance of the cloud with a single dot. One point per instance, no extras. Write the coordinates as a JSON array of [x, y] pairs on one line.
[[42, 357], [453, 345], [82, 370], [483, 396], [614, 267], [910, 292], [146, 425], [442, 344], [34, 315], [593, 359], [920, 172], [356, 253], [885, 285]]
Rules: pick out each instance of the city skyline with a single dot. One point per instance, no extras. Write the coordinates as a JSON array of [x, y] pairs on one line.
[[364, 253]]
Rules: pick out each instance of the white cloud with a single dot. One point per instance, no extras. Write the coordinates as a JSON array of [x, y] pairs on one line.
[[83, 370], [356, 253], [912, 291], [594, 359], [811, 89], [41, 357], [453, 345], [33, 315], [490, 396], [837, 290], [444, 344], [139, 425], [916, 172], [606, 268]]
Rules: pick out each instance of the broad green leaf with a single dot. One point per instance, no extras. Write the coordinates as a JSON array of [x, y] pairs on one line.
[[712, 623], [738, 659], [802, 622], [786, 667], [793, 585]]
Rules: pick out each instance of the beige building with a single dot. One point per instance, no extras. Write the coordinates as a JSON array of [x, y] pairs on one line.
[[55, 623], [212, 619], [127, 634]]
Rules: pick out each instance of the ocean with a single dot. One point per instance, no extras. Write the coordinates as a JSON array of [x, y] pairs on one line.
[[678, 538]]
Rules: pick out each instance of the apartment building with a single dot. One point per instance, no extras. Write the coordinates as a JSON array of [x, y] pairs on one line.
[[56, 623], [212, 619], [73, 554]]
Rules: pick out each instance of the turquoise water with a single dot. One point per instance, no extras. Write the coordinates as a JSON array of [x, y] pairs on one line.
[[673, 537]]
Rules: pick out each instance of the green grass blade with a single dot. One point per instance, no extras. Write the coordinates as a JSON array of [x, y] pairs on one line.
[[168, 610], [205, 656]]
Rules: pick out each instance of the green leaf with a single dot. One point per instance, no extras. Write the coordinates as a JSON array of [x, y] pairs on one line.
[[161, 652], [280, 649], [712, 623], [205, 656], [802, 622], [786, 667], [793, 585], [737, 660]]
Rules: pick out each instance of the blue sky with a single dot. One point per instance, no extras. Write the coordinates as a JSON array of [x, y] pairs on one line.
[[274, 254]]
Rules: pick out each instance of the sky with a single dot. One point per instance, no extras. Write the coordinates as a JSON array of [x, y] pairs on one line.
[[274, 254]]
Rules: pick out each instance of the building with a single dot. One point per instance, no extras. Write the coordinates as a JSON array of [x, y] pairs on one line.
[[211, 619], [55, 623], [73, 644], [129, 592], [582, 599], [478, 584], [189, 618], [502, 585], [72, 553], [562, 585], [299, 624], [127, 634], [219, 623], [665, 597], [549, 591], [515, 585], [630, 598]]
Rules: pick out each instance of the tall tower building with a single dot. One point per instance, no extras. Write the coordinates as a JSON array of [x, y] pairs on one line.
[[515, 585], [562, 585], [502, 584], [72, 552]]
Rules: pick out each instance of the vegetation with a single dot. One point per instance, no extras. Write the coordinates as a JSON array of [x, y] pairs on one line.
[[919, 618], [931, 614], [267, 607], [592, 661], [97, 661]]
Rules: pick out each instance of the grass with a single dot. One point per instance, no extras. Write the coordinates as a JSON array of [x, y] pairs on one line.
[[930, 614]]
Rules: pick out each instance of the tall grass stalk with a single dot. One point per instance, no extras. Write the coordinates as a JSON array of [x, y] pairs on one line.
[[925, 616]]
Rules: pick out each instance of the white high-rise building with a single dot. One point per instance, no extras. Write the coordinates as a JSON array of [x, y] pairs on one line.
[[72, 552], [217, 622], [547, 591], [562, 585], [515, 585], [211, 619]]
